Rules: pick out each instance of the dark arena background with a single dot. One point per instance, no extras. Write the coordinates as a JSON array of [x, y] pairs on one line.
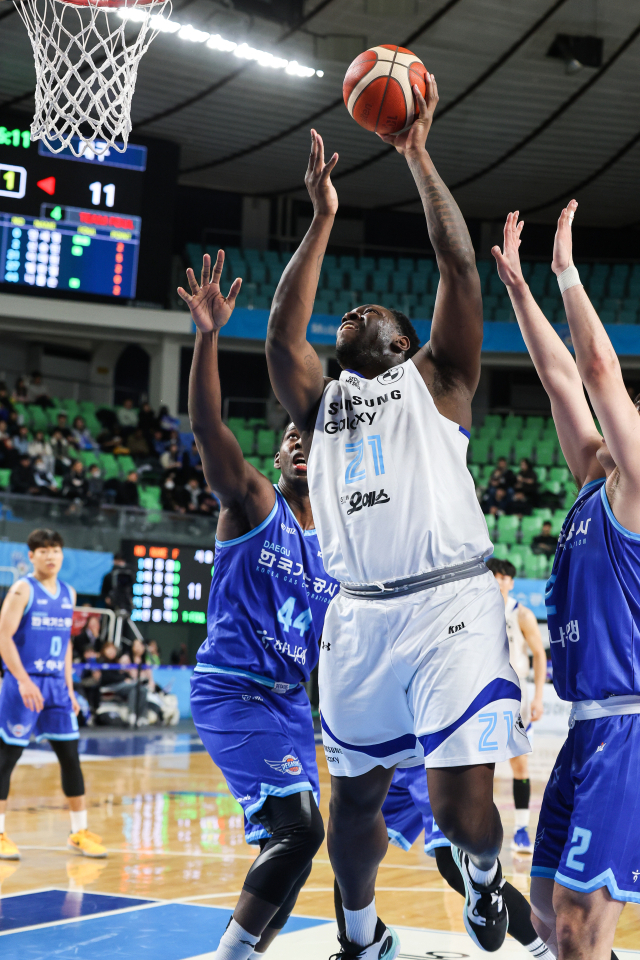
[[539, 103]]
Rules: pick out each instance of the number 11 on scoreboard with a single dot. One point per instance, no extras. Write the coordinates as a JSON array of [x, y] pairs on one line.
[[13, 181]]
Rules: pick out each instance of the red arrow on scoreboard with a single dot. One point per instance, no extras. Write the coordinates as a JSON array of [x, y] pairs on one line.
[[48, 185]]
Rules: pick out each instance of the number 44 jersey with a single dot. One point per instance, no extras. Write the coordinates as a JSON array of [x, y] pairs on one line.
[[43, 634], [268, 600]]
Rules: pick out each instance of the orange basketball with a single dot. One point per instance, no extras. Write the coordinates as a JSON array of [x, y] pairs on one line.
[[377, 88]]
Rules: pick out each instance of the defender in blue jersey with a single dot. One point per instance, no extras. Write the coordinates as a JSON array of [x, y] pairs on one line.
[[587, 848], [268, 600], [37, 698]]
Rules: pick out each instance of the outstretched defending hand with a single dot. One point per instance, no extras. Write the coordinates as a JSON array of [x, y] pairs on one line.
[[563, 243], [209, 309], [318, 179], [414, 139], [509, 269]]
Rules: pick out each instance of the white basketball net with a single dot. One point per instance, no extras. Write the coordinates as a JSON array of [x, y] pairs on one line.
[[86, 67]]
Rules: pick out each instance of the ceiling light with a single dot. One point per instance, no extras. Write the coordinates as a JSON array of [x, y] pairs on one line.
[[215, 42]]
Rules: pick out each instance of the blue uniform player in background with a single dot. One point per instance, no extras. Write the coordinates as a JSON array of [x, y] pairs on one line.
[[267, 605], [37, 698], [586, 860]]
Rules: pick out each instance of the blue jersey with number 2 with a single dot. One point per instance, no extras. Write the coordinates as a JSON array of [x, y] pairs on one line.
[[43, 635], [593, 603], [268, 600]]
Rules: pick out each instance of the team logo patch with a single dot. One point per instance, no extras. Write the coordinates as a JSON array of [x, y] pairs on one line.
[[391, 375], [288, 764], [18, 730]]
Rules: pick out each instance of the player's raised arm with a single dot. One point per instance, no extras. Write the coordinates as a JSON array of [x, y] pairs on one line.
[[12, 612], [225, 469], [599, 368], [456, 330], [554, 364], [294, 366]]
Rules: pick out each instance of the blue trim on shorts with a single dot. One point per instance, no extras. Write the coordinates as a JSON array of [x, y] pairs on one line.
[[13, 741], [398, 839], [57, 736], [407, 741], [544, 872], [498, 689], [605, 879], [428, 847], [229, 671], [269, 790]]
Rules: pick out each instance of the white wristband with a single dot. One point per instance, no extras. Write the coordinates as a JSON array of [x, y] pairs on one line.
[[569, 278]]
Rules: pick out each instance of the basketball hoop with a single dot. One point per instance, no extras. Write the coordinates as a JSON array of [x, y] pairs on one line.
[[86, 59]]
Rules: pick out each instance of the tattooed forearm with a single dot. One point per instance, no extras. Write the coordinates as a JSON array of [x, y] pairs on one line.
[[447, 229]]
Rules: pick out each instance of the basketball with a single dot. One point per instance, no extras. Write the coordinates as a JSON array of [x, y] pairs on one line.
[[377, 88]]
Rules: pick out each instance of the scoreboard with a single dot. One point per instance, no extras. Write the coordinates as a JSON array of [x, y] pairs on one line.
[[172, 583], [69, 223]]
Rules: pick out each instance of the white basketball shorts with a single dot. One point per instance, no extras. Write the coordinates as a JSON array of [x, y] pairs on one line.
[[419, 679]]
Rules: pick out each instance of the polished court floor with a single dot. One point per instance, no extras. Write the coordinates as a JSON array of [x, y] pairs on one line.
[[177, 859]]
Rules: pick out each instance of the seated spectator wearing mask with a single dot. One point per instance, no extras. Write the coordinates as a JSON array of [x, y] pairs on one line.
[[42, 448], [74, 486], [81, 435], [545, 543], [171, 498], [22, 477], [44, 478]]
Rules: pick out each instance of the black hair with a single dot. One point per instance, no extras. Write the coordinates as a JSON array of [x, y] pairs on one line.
[[408, 330], [286, 429], [44, 538], [504, 567], [545, 522]]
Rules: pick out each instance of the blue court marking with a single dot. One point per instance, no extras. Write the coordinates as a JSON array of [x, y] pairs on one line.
[[47, 906], [171, 931]]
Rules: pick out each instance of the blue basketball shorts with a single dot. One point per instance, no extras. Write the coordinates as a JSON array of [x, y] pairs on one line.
[[589, 829], [263, 742], [407, 811], [56, 721]]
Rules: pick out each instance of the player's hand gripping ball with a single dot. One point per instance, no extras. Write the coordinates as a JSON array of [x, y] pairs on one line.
[[377, 88]]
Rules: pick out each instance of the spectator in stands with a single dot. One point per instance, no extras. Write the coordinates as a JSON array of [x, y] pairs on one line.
[[127, 417], [191, 462], [147, 420], [81, 435], [20, 392], [22, 477], [159, 443], [127, 494], [153, 654], [507, 477], [209, 503], [9, 456], [61, 450], [62, 424], [95, 486], [117, 586], [44, 478], [38, 391], [74, 486], [180, 656], [170, 459], [545, 543], [6, 403], [13, 423], [4, 431], [88, 638], [496, 499], [21, 442], [41, 447], [192, 489], [137, 443], [166, 421], [527, 480], [519, 505], [171, 498]]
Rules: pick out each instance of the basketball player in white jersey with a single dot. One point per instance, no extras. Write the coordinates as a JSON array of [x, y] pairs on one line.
[[524, 636], [415, 666]]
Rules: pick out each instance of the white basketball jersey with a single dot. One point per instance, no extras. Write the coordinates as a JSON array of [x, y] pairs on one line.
[[518, 646], [388, 481]]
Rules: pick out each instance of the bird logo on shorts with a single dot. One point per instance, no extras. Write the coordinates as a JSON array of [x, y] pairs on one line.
[[288, 764]]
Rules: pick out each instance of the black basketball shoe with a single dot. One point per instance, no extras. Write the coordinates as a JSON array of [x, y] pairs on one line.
[[485, 912]]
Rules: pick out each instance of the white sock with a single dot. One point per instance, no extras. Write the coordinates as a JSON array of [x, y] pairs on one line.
[[483, 877], [361, 924], [2, 816], [78, 820], [522, 818], [539, 949], [236, 943]]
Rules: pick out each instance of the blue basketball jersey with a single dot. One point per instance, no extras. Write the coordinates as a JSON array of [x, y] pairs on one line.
[[593, 603], [43, 635], [268, 600]]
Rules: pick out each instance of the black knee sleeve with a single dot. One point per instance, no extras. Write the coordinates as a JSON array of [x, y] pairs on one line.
[[521, 793], [9, 756], [296, 831], [70, 769], [337, 902], [448, 869], [285, 911]]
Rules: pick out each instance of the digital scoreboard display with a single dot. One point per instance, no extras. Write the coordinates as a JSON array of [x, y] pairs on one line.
[[69, 223], [171, 583]]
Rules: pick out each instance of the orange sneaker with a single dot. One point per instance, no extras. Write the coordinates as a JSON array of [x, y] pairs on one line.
[[83, 842], [8, 849]]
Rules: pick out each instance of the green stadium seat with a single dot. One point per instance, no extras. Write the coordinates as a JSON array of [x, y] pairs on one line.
[[544, 512], [405, 265], [502, 448], [88, 458], [347, 263], [267, 441], [535, 566], [486, 472], [380, 283], [5, 477], [523, 448], [38, 419], [368, 264], [488, 432], [534, 423], [501, 551], [126, 464], [519, 551], [109, 466], [245, 438], [541, 473], [508, 529], [149, 498], [493, 420], [272, 473], [545, 453], [255, 462], [531, 527], [420, 283], [557, 520], [479, 451], [491, 523], [559, 473], [551, 486], [87, 407], [334, 280], [474, 470]]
